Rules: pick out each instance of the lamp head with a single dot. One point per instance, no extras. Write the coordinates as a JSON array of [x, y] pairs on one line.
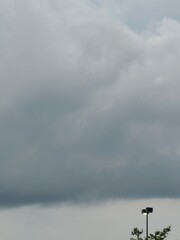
[[147, 210], [144, 212]]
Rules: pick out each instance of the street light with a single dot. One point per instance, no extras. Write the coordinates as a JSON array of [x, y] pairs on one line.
[[146, 212]]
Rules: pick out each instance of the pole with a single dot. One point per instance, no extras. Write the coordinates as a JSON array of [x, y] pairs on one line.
[[147, 226], [146, 212]]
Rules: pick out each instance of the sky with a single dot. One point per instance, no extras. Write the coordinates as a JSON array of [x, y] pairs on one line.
[[89, 117]]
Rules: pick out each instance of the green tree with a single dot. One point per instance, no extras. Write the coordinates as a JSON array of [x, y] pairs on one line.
[[157, 235], [160, 235], [136, 233]]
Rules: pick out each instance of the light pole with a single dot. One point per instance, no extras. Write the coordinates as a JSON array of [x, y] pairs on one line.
[[146, 212]]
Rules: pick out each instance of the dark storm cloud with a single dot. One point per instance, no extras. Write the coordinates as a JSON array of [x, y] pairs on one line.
[[89, 109]]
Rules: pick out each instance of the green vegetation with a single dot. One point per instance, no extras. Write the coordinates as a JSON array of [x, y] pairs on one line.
[[158, 235]]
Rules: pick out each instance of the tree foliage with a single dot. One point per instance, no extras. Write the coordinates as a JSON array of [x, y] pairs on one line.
[[136, 233], [157, 235], [160, 235]]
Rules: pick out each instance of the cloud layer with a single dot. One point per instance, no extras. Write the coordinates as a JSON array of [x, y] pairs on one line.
[[89, 109]]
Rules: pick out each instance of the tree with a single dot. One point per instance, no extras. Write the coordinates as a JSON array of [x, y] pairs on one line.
[[137, 233], [158, 235]]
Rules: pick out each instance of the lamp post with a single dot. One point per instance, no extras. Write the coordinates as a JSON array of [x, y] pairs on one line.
[[146, 212]]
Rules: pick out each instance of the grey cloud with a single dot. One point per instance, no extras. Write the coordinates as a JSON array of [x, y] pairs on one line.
[[89, 108], [139, 14]]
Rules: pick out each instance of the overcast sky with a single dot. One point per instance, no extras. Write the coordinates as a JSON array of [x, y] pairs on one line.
[[89, 110]]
